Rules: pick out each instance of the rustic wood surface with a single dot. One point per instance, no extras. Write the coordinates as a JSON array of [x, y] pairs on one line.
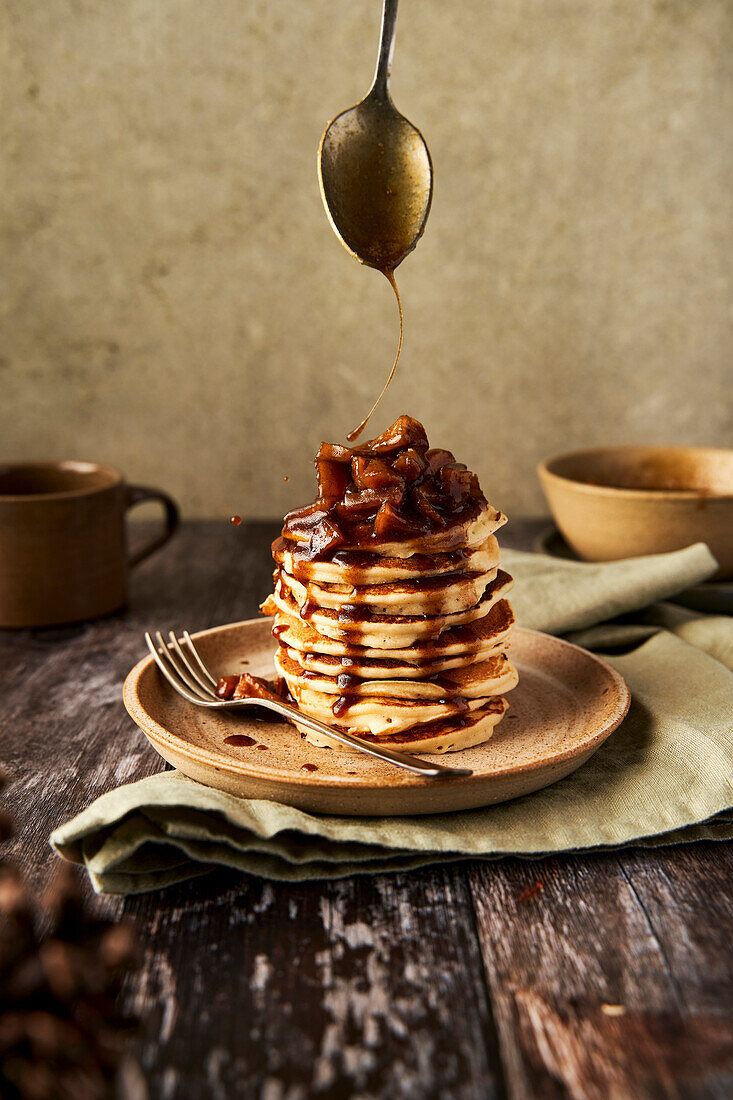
[[601, 976]]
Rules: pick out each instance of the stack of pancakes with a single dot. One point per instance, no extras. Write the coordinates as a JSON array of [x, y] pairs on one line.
[[389, 603]]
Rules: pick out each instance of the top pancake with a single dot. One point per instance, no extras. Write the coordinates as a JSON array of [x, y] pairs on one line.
[[466, 534]]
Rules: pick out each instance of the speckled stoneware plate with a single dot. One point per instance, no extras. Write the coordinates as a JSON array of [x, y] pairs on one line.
[[566, 704]]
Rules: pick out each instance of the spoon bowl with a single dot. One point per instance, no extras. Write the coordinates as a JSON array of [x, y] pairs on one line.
[[377, 181], [375, 171]]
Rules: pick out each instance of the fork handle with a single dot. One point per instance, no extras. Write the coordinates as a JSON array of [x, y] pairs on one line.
[[403, 760]]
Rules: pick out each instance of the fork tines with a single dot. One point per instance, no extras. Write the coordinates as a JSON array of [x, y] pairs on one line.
[[185, 671]]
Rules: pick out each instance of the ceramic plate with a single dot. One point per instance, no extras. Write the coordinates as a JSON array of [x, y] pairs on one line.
[[567, 703]]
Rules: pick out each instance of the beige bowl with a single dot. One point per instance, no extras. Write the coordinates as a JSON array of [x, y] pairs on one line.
[[622, 502]]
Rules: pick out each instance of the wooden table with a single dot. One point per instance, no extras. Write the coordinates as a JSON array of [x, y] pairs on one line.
[[600, 976]]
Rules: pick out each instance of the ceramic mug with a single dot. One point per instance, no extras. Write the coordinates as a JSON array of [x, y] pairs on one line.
[[63, 554]]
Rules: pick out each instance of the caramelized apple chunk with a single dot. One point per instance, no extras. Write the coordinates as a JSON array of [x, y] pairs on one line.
[[334, 452], [300, 522], [410, 464], [225, 686], [256, 687], [426, 499], [373, 473], [325, 538], [405, 432], [437, 457], [459, 483], [367, 502], [390, 521], [333, 477]]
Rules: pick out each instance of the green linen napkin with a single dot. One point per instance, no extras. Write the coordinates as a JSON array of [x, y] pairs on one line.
[[665, 776]]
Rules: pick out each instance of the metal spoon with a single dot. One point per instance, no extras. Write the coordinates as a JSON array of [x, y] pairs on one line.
[[375, 171]]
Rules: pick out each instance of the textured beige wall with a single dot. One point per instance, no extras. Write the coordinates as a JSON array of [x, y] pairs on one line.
[[174, 301]]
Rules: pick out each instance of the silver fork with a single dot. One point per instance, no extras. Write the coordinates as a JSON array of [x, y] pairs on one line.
[[189, 676]]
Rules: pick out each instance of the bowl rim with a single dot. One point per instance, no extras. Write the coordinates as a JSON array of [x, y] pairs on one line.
[[544, 472]]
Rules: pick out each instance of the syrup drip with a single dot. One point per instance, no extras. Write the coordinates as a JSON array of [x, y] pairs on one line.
[[341, 705], [344, 681], [352, 436], [307, 608]]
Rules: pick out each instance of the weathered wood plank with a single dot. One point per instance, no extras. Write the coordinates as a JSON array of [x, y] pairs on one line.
[[610, 975], [370, 987], [687, 895]]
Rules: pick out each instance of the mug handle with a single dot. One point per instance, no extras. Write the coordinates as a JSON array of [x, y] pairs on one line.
[[137, 494]]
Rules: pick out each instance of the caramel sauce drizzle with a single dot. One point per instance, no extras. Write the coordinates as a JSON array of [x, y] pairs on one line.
[[354, 435]]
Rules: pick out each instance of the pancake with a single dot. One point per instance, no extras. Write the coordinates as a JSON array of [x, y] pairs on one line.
[[477, 681], [381, 715], [389, 602], [441, 595], [448, 735], [362, 567], [464, 534], [453, 647], [389, 631]]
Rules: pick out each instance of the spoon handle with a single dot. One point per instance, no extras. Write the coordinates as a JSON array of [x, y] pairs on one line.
[[380, 86]]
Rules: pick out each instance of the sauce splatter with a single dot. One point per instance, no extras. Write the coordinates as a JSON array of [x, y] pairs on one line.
[[239, 739]]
